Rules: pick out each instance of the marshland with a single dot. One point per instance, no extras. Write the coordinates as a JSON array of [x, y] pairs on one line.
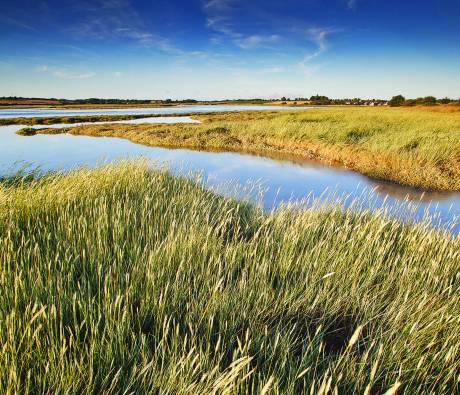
[[130, 278], [124, 279], [414, 147], [229, 197]]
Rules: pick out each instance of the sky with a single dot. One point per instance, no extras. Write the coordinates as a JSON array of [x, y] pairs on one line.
[[217, 49]]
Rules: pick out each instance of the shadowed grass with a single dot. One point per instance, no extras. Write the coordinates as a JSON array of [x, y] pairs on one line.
[[127, 280], [411, 147]]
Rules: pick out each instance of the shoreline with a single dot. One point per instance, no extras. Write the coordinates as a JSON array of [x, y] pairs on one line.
[[411, 163], [314, 154]]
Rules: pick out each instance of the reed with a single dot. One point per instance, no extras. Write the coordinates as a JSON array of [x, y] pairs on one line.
[[124, 279]]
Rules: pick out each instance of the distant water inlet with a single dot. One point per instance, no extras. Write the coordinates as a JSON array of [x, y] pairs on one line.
[[272, 181], [62, 112]]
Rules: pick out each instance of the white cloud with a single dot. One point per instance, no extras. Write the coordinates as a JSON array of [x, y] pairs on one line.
[[220, 24], [222, 16], [276, 70], [309, 69], [112, 19], [219, 19], [257, 41], [148, 39], [351, 4], [318, 36], [220, 5], [72, 76], [65, 73]]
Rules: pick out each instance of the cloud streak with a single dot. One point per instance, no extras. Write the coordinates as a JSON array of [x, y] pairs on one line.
[[148, 40], [257, 40], [16, 22], [224, 18], [351, 4], [219, 19], [117, 19], [73, 76], [318, 36], [65, 73]]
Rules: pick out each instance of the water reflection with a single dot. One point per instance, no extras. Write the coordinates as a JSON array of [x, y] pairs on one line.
[[49, 112], [282, 179]]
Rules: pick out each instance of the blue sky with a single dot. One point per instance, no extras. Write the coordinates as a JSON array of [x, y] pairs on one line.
[[214, 49]]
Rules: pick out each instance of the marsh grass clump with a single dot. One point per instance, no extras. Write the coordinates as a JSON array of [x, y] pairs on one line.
[[218, 130], [75, 119], [124, 279], [27, 132], [355, 136]]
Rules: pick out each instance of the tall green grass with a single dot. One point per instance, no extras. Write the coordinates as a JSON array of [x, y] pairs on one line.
[[127, 280]]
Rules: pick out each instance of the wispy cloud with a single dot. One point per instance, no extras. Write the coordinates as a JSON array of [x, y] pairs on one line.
[[257, 40], [16, 22], [112, 19], [65, 73], [351, 4], [219, 19], [318, 36], [148, 39], [220, 5], [73, 76], [273, 70], [224, 17], [218, 13], [276, 69]]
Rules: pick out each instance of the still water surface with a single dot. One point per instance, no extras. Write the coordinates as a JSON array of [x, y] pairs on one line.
[[50, 112], [280, 179]]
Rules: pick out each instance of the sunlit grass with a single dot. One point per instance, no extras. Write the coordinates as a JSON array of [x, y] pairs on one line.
[[128, 280]]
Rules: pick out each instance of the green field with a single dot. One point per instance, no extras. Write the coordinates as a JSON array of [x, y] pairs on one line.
[[415, 147], [128, 280]]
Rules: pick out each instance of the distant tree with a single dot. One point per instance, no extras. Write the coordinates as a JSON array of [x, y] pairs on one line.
[[445, 100], [283, 98], [410, 102], [397, 101], [425, 101], [317, 99], [429, 100]]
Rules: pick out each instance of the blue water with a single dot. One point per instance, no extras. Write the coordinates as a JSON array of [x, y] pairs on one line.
[[271, 181], [49, 112]]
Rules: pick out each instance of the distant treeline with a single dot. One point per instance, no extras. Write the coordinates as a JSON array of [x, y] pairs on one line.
[[395, 101], [400, 100], [94, 100], [16, 100], [318, 100]]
